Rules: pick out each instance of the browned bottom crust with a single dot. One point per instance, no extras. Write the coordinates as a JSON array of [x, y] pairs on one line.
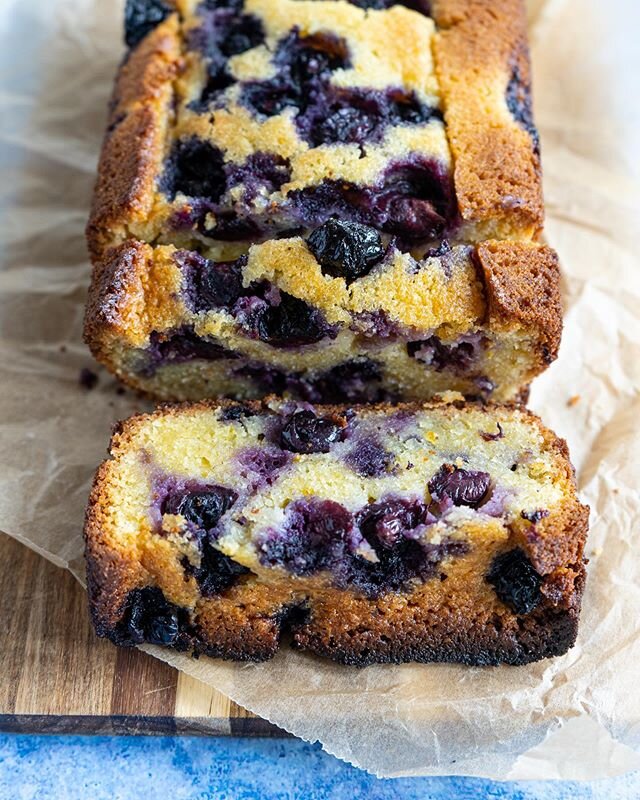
[[540, 635], [251, 620]]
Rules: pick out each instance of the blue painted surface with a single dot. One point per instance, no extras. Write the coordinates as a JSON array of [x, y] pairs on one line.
[[123, 768]]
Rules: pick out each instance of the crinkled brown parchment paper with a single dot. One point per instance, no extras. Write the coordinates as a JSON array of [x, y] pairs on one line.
[[577, 716]]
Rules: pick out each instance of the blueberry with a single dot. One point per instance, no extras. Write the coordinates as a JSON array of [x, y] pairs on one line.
[[441, 251], [457, 356], [303, 64], [195, 168], [304, 432], [518, 96], [290, 323], [323, 536], [264, 462], [346, 249], [267, 379], [344, 125], [309, 57], [413, 218], [535, 516], [387, 525], [264, 172], [407, 109], [141, 17], [179, 346], [314, 536], [416, 200], [243, 33], [163, 629], [268, 98], [384, 523], [213, 5], [217, 81], [87, 378], [218, 285], [235, 413], [369, 458], [464, 487], [358, 115], [225, 32], [377, 323], [515, 581], [422, 6], [216, 572], [355, 381], [202, 508], [149, 617], [376, 5], [229, 226]]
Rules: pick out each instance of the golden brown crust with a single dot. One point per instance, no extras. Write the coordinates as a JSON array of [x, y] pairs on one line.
[[480, 45], [110, 577], [522, 285], [116, 298], [243, 624], [410, 633], [134, 144], [148, 69]]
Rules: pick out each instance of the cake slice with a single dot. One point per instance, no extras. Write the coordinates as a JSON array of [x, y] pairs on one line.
[[370, 534], [336, 317]]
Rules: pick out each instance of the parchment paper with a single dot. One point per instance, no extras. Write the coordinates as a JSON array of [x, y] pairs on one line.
[[574, 717]]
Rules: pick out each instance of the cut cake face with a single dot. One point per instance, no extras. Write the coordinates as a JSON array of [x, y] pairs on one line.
[[372, 534]]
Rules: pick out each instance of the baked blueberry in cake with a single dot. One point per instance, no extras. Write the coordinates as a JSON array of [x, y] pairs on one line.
[[426, 532]]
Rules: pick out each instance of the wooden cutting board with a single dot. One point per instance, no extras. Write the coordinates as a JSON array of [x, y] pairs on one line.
[[56, 676]]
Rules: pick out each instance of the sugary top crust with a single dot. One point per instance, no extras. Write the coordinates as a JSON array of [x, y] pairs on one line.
[[473, 68]]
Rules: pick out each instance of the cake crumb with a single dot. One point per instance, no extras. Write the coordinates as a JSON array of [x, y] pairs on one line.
[[573, 400], [87, 379]]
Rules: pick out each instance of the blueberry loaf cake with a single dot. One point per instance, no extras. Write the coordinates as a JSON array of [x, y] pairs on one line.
[[433, 532], [332, 200]]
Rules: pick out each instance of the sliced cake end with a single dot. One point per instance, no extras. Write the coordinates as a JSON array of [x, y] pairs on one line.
[[371, 534]]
